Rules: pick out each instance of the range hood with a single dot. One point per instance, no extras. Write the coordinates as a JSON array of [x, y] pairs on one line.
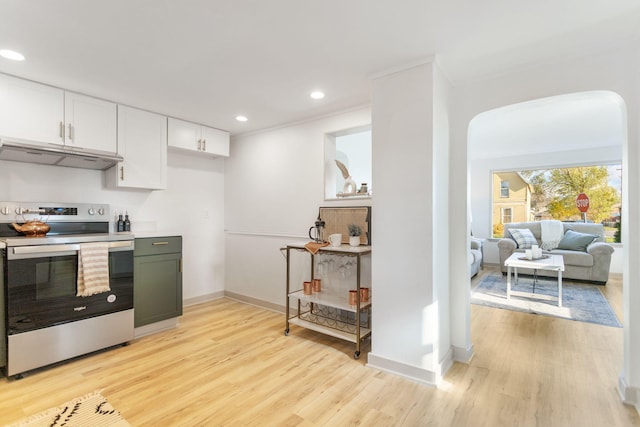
[[24, 151]]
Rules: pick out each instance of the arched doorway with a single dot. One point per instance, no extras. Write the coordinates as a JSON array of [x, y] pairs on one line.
[[573, 129]]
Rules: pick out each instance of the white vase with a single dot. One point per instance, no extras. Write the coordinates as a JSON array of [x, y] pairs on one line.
[[349, 186], [354, 240]]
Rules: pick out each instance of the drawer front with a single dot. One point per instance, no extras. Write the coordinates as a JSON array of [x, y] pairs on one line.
[[157, 245]]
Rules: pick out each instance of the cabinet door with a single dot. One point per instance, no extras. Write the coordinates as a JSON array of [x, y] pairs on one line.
[[142, 142], [215, 141], [90, 123], [31, 111], [185, 135], [157, 288], [3, 344]]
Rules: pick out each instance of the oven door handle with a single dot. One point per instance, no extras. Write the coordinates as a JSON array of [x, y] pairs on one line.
[[125, 245]]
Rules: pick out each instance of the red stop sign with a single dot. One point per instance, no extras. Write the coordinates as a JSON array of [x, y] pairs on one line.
[[582, 202]]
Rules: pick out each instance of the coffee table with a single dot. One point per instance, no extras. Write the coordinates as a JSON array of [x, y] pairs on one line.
[[548, 263]]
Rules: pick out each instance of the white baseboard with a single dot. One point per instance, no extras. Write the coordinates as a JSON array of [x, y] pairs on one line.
[[202, 298], [462, 355], [255, 301], [160, 326], [413, 373], [445, 364], [629, 395]]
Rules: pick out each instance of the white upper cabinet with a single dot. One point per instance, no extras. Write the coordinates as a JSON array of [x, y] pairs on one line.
[[197, 138], [31, 111], [90, 123], [47, 115], [142, 142], [215, 141]]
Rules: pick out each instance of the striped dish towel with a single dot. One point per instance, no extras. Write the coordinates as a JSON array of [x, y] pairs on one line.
[[93, 269]]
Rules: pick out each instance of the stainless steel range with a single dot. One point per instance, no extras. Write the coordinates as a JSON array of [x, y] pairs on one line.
[[45, 321]]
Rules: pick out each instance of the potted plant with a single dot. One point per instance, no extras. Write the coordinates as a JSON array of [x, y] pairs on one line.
[[354, 234]]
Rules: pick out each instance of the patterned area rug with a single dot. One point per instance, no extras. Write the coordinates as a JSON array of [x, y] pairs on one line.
[[90, 410], [581, 302]]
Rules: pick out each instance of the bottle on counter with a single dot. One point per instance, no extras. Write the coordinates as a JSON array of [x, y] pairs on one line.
[[127, 222], [120, 224]]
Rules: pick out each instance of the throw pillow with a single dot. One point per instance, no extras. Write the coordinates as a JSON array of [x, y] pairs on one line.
[[524, 237], [574, 241]]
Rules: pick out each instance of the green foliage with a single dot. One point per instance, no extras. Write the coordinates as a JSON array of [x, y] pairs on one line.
[[354, 230], [557, 189], [498, 230], [617, 237]]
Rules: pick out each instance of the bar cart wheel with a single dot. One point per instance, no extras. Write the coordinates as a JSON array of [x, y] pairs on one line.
[[356, 355], [286, 332]]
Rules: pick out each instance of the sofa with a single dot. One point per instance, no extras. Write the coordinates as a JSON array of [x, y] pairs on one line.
[[475, 257], [588, 265]]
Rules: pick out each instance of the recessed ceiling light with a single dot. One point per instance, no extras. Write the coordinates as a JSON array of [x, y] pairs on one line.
[[11, 54], [317, 94], [241, 118]]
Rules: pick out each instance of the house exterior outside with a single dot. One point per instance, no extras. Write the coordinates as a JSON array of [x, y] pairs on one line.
[[511, 200]]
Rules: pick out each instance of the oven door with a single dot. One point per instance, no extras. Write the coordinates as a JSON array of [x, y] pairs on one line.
[[41, 283]]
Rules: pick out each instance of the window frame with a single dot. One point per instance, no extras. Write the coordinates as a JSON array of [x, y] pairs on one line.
[[503, 214], [503, 188]]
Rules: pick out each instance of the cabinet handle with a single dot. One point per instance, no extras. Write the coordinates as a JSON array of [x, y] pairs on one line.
[[199, 145], [204, 145], [62, 130], [180, 266], [160, 243], [121, 173], [70, 132]]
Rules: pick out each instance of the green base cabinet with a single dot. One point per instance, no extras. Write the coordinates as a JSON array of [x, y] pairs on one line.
[[157, 279], [3, 337]]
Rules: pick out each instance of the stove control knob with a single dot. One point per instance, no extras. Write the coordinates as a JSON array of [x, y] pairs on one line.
[[92, 211], [20, 211], [6, 210], [101, 211]]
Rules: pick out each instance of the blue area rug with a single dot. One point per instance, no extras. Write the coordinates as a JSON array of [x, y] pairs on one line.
[[581, 302]]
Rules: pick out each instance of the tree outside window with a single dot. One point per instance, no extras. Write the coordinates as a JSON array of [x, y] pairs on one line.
[[554, 193]]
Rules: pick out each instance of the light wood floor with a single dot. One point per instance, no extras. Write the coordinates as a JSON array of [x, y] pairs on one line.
[[229, 364]]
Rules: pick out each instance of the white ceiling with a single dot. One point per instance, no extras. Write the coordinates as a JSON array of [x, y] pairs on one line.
[[559, 123], [210, 60]]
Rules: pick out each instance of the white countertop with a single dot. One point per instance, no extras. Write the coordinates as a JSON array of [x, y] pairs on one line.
[[154, 233]]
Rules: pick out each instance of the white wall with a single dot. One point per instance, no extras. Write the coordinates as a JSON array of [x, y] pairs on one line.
[[410, 269], [441, 220], [274, 185], [192, 205]]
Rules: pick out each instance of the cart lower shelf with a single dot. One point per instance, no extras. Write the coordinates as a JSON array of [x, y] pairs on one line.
[[340, 330]]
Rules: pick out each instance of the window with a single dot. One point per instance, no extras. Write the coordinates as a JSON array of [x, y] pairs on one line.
[[534, 195], [504, 189], [348, 163], [506, 215]]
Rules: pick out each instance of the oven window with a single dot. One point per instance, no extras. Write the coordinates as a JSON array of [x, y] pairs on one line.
[[55, 278]]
